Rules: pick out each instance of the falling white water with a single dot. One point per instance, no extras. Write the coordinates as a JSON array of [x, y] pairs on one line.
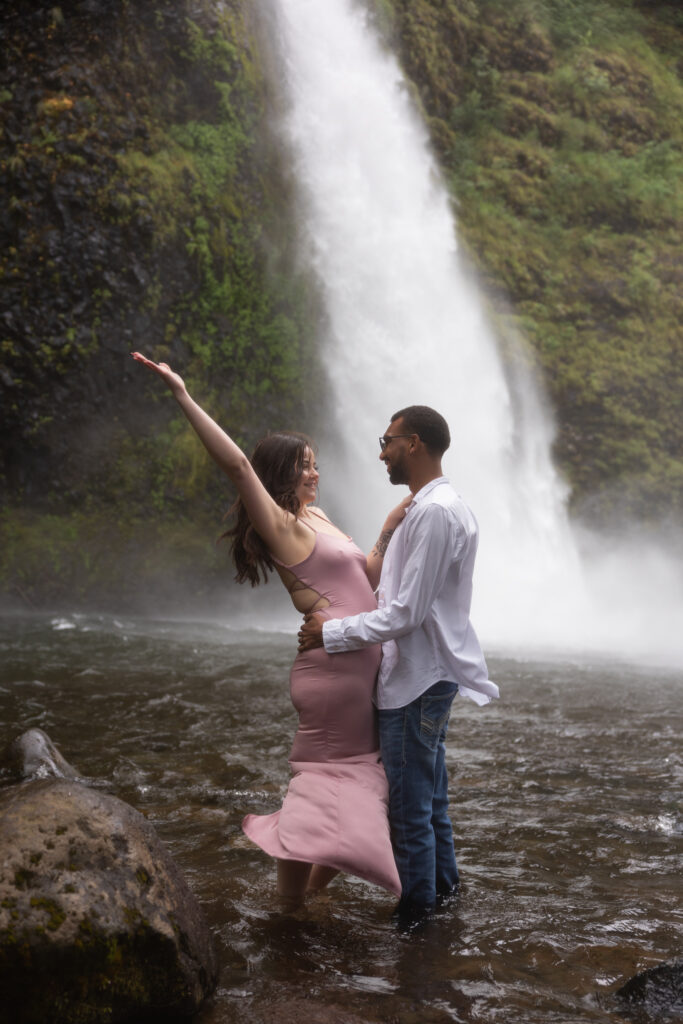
[[406, 325]]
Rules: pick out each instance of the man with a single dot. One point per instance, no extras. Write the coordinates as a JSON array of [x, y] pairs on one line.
[[429, 652]]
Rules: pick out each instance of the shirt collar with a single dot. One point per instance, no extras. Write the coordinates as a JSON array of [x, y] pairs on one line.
[[424, 491]]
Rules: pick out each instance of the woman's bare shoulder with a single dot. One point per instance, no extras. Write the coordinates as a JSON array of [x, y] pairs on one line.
[[318, 512]]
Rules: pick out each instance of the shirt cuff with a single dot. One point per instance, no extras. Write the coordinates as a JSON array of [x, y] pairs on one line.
[[333, 636]]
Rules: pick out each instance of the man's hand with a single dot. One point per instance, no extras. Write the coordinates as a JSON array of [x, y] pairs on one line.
[[311, 632]]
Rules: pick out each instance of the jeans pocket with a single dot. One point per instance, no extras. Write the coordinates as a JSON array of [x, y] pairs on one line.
[[434, 715]]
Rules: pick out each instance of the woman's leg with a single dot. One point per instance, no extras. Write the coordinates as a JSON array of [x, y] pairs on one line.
[[320, 877], [292, 880]]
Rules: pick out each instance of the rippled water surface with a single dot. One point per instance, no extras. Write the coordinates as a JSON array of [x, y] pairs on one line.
[[565, 799]]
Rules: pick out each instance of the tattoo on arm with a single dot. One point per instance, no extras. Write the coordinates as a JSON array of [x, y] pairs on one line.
[[382, 544]]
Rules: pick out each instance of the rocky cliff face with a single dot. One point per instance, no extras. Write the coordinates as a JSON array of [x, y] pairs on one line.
[[77, 239], [141, 211]]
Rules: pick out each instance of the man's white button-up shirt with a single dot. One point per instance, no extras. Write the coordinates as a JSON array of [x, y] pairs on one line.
[[424, 597]]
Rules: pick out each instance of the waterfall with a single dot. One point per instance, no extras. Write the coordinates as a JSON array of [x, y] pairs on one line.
[[407, 325]]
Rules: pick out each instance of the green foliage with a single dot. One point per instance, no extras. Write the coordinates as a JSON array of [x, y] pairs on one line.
[[609, 188], [88, 557], [243, 328], [574, 23]]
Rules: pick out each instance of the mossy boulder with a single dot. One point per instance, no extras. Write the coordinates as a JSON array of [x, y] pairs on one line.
[[96, 921]]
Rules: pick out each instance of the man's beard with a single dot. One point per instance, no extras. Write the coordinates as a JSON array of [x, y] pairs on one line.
[[397, 474]]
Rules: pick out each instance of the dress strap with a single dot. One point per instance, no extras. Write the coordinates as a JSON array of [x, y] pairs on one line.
[[318, 515], [324, 519]]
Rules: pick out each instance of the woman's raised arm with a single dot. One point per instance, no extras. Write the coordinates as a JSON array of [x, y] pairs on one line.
[[273, 524]]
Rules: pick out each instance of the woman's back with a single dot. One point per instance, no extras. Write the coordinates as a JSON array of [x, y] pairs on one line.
[[333, 576]]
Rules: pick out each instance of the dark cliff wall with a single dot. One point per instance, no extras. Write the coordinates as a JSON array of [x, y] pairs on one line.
[[142, 208]]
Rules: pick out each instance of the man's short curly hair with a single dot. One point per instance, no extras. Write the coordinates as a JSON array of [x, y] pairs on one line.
[[428, 424]]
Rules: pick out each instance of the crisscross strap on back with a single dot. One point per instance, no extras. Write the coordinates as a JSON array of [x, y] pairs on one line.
[[307, 599]]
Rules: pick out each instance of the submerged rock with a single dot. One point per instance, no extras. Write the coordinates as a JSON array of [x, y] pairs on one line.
[[96, 921], [654, 994], [34, 755]]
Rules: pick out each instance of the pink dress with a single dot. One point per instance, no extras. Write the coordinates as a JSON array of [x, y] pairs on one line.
[[335, 809]]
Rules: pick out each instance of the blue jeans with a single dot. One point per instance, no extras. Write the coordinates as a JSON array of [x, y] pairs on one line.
[[412, 745]]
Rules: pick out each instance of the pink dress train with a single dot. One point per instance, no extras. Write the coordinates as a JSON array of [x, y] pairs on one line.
[[335, 809]]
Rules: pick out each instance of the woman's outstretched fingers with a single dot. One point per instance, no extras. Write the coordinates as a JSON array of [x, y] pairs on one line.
[[139, 358], [169, 376]]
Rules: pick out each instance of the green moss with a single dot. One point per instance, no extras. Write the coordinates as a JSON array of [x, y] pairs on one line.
[[111, 977], [56, 916], [23, 879]]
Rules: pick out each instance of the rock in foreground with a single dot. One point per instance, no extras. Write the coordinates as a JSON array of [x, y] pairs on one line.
[[33, 755], [96, 921], [654, 994]]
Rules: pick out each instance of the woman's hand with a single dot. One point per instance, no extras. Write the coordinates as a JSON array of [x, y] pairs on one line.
[[280, 531], [173, 380], [373, 565], [397, 515]]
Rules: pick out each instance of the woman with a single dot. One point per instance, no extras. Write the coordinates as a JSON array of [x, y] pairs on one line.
[[334, 815]]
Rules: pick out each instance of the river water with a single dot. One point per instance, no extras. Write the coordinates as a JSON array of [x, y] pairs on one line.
[[565, 797]]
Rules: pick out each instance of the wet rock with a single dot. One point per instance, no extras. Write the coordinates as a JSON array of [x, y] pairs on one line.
[[654, 994], [33, 755], [96, 922]]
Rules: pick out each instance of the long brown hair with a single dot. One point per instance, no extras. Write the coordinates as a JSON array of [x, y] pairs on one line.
[[278, 460]]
